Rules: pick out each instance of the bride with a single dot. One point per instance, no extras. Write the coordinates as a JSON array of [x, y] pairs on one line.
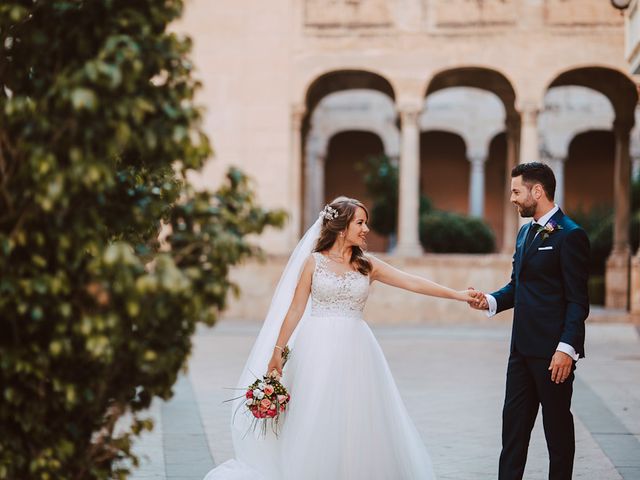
[[346, 419]]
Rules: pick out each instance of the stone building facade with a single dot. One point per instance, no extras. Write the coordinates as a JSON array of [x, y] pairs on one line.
[[456, 91]]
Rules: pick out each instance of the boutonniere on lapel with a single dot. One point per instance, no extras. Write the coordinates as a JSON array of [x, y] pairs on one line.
[[548, 229]]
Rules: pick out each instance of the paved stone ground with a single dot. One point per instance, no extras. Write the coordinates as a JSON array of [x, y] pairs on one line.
[[452, 380]]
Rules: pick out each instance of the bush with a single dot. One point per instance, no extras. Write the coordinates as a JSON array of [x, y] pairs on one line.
[[444, 232], [98, 129]]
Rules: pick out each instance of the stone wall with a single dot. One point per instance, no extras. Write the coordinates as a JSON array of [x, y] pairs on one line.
[[257, 60], [389, 305]]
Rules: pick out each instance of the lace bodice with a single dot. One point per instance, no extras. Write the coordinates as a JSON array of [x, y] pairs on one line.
[[337, 294]]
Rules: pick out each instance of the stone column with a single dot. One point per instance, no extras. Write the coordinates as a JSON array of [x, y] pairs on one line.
[[617, 270], [476, 185], [295, 180], [634, 299], [529, 140], [557, 165], [510, 220], [409, 188], [314, 181], [635, 285]]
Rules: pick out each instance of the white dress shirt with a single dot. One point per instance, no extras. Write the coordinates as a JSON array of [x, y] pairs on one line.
[[493, 305]]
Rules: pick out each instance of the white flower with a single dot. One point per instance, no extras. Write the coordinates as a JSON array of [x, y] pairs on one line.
[[261, 385], [329, 213], [257, 393]]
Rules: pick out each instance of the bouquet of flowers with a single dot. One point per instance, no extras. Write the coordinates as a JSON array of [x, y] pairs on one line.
[[267, 399]]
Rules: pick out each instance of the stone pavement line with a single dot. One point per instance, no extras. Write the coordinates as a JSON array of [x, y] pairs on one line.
[[618, 443], [186, 452]]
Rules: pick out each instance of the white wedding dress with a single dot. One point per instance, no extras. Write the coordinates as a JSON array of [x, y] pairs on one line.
[[346, 419]]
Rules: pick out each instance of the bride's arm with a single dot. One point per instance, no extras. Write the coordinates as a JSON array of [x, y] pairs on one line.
[[294, 314], [385, 273]]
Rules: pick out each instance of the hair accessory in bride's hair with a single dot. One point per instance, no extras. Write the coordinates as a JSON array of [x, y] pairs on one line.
[[329, 213]]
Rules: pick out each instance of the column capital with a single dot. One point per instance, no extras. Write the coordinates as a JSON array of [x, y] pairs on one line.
[[410, 112], [529, 112], [476, 158]]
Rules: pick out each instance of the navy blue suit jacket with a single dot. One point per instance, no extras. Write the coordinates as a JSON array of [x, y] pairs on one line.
[[548, 290]]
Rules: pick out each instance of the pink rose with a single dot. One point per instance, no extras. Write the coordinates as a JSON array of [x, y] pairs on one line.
[[265, 403], [249, 394], [282, 399], [268, 390]]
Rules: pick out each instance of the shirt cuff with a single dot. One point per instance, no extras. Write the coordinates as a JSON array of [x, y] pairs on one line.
[[493, 305], [569, 350]]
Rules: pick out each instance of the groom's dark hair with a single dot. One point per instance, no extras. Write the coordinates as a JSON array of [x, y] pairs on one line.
[[536, 172]]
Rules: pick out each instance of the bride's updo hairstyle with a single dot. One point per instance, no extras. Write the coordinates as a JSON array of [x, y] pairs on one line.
[[333, 224]]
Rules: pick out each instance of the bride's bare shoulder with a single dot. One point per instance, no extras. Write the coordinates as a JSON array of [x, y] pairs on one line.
[[378, 266], [373, 259], [310, 262], [376, 263]]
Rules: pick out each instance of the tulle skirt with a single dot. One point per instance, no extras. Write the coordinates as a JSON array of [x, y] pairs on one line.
[[346, 419]]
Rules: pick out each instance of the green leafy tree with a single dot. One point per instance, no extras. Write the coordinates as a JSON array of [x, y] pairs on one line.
[[98, 129]]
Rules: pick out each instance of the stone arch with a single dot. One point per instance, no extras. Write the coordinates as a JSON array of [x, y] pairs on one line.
[[347, 79], [621, 91], [314, 147], [372, 112], [494, 82], [569, 111], [449, 110], [612, 83], [483, 78]]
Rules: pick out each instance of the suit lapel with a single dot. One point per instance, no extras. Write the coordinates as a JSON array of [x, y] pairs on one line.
[[521, 247], [533, 247], [557, 218]]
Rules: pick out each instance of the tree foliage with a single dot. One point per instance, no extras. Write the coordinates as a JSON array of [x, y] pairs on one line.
[[98, 129]]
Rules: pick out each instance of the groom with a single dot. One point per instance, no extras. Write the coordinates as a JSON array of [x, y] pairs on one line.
[[548, 292]]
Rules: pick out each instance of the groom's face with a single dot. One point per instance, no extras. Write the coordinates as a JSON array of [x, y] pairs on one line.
[[522, 198]]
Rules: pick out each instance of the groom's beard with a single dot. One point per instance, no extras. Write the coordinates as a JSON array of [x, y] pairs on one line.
[[527, 210]]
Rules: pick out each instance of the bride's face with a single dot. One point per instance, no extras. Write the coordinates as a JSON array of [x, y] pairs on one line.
[[357, 230]]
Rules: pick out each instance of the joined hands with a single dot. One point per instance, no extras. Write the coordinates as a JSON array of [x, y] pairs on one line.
[[478, 300]]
